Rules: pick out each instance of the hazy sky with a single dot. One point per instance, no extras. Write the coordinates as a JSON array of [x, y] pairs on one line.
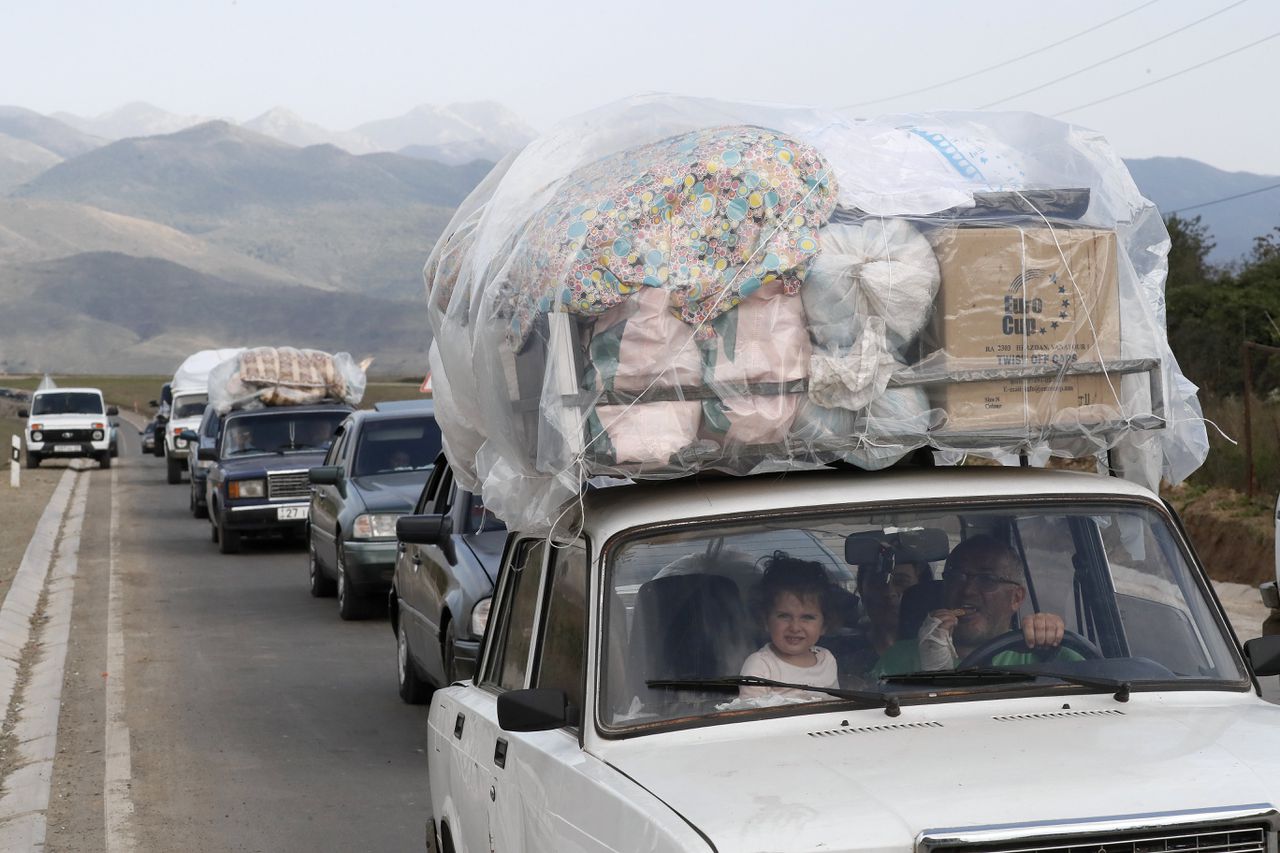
[[340, 64]]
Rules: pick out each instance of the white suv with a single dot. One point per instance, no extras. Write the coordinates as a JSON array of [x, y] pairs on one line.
[[185, 414], [66, 423]]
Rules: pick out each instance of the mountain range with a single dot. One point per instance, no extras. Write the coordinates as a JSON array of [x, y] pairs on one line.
[[132, 238]]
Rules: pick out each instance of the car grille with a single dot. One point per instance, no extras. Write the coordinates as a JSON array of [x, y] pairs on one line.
[[288, 484], [68, 435], [1202, 839]]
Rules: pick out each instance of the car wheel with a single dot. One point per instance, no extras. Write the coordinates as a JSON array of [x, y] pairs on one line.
[[350, 604], [33, 459], [321, 585], [228, 540], [449, 654], [104, 459], [173, 470], [413, 690]]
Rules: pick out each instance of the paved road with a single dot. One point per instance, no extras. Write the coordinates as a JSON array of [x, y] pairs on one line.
[[258, 719]]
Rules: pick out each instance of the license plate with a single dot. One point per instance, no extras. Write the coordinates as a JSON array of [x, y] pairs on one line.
[[292, 513], [66, 448]]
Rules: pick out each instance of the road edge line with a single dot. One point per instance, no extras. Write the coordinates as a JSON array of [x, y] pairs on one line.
[[117, 805]]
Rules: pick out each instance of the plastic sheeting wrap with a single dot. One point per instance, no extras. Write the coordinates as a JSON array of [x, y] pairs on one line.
[[284, 376], [193, 373], [669, 285]]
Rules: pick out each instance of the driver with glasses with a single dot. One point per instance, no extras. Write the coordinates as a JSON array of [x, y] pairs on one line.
[[982, 591]]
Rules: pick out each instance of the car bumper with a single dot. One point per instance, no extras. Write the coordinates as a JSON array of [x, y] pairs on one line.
[[370, 565], [265, 518], [69, 449], [178, 452]]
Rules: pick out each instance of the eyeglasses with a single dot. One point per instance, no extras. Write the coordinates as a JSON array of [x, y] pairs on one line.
[[984, 581]]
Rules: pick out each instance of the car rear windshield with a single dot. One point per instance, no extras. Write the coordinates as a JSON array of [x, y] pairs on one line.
[[397, 444], [67, 403]]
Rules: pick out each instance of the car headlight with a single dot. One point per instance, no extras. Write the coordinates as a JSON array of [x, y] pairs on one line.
[[480, 617], [375, 525], [97, 435], [247, 488], [37, 435]]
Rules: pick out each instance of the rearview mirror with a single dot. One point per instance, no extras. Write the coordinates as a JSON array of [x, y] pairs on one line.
[[23, 413], [155, 404], [536, 709], [325, 475], [189, 435], [113, 411], [428, 530], [928, 544], [1263, 654]]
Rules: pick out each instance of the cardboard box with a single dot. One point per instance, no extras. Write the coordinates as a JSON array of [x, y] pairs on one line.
[[1014, 297]]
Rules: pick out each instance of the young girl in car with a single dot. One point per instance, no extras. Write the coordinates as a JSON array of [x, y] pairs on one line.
[[793, 601]]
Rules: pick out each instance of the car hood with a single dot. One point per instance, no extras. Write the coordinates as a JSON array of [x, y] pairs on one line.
[[812, 783], [394, 492], [78, 421], [261, 463]]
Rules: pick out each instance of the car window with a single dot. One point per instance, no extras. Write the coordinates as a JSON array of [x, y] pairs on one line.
[[480, 519], [67, 403], [561, 656], [189, 406], [211, 423], [693, 605], [396, 444], [446, 495], [334, 456], [514, 635]]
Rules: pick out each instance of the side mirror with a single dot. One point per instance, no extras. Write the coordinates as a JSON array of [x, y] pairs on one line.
[[113, 411], [189, 435], [537, 709], [325, 475], [23, 413], [207, 454], [155, 404], [428, 530], [1263, 655]]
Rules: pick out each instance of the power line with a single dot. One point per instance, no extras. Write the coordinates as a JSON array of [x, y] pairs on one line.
[[1120, 55], [1026, 55], [1149, 83], [1224, 198]]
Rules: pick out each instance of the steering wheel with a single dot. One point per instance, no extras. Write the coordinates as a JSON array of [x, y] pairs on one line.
[[1013, 641]]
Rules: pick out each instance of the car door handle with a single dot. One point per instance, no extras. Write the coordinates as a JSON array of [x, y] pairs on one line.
[[500, 753]]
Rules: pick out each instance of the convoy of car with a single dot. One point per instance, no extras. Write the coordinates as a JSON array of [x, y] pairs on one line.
[[370, 478]]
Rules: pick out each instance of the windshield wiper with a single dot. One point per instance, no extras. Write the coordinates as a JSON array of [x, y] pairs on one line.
[[732, 682], [1010, 675]]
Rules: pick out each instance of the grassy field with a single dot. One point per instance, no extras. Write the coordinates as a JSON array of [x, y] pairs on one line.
[[1225, 467], [136, 392]]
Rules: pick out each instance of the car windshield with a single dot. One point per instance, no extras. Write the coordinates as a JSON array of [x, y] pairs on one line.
[[894, 606], [67, 403], [280, 432], [189, 406], [397, 444]]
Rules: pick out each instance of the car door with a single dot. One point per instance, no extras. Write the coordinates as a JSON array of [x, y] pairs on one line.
[[325, 502], [411, 586], [477, 759], [433, 576]]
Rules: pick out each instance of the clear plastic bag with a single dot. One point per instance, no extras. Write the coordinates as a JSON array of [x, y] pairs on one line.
[[669, 285], [284, 376]]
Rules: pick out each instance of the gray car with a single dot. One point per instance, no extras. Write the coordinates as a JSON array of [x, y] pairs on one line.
[[374, 472], [449, 553]]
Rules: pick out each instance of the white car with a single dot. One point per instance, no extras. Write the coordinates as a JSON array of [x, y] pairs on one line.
[[68, 423], [185, 414], [606, 713]]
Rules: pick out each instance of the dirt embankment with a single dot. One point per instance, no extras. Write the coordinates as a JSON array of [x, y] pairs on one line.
[[1234, 538]]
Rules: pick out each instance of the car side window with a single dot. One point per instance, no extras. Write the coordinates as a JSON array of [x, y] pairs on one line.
[[513, 635], [444, 500], [334, 456], [562, 654]]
